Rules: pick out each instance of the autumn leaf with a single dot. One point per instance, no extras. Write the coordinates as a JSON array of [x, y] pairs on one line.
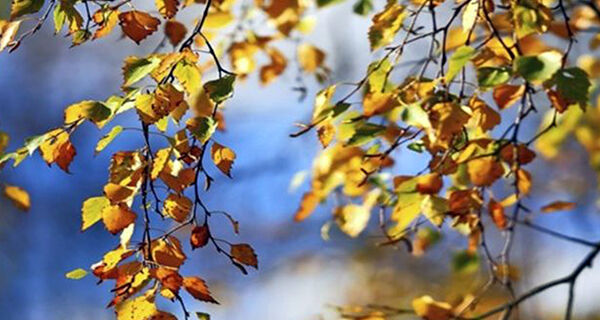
[[168, 278], [8, 31], [427, 308], [107, 20], [496, 211], [484, 171], [177, 207], [18, 196], [57, 148], [197, 288], [76, 274], [167, 8], [558, 206], [309, 203], [91, 211], [506, 95], [168, 252], [135, 69], [175, 31], [138, 25], [23, 7], [117, 217], [221, 89], [310, 57], [108, 138], [199, 236], [429, 184], [244, 254], [386, 24]]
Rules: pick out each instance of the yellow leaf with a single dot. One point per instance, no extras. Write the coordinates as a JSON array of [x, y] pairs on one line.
[[218, 19], [484, 171], [277, 66], [222, 157], [310, 57], [57, 148], [386, 25], [469, 16], [326, 133], [447, 119], [140, 308], [107, 20], [177, 207], [352, 219], [434, 208], [427, 308], [8, 31], [167, 8], [91, 211], [76, 274], [485, 117], [18, 196], [160, 161], [117, 217]]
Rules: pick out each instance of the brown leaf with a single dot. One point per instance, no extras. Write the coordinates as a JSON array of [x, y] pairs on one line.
[[558, 206], [198, 289], [429, 183], [138, 25], [244, 254], [199, 237], [175, 31], [168, 252], [524, 154], [168, 278]]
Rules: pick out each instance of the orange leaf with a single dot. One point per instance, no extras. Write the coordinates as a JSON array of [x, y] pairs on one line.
[[177, 207], [169, 279], [496, 210], [429, 183], [117, 217], [57, 148], [167, 8], [507, 94], [106, 20], [558, 206], [168, 252], [309, 203], [198, 289], [18, 196], [484, 171]]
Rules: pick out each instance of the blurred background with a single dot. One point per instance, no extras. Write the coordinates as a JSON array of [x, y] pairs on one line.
[[301, 276]]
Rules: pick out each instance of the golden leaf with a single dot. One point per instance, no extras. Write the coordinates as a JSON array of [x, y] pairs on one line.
[[177, 207], [484, 116], [117, 217], [484, 171], [8, 31], [310, 57], [326, 133], [167, 8], [427, 308], [244, 254], [107, 20], [57, 148], [18, 196], [386, 25], [222, 157], [309, 203], [277, 66], [429, 184], [168, 252]]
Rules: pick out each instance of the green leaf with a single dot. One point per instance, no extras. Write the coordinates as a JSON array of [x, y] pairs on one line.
[[202, 128], [221, 89], [414, 115], [23, 7], [33, 143], [363, 7], [135, 69], [324, 3], [188, 75], [493, 76], [418, 146], [91, 211], [459, 60], [573, 84], [434, 208], [539, 67], [108, 138], [365, 132], [76, 274], [65, 12], [202, 316], [465, 262], [378, 74]]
